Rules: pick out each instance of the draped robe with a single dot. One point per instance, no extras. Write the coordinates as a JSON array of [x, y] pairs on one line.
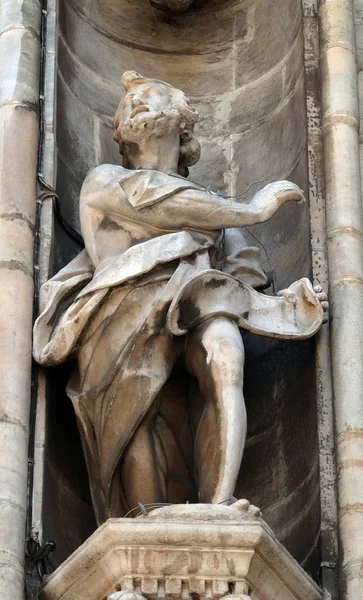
[[109, 308]]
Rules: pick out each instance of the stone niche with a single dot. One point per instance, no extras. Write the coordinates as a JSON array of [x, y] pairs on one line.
[[173, 6], [241, 63]]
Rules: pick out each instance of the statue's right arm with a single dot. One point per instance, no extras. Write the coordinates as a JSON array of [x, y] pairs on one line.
[[201, 209], [186, 209]]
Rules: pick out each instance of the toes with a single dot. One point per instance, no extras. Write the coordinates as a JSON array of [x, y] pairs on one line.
[[254, 510], [245, 506], [241, 505], [325, 305], [322, 296], [318, 289]]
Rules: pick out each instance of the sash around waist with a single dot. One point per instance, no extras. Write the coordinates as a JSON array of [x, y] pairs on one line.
[[144, 257]]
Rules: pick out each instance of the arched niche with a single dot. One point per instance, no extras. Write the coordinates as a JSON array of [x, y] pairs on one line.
[[241, 63]]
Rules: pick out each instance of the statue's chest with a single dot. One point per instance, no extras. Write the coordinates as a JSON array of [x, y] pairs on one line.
[[115, 233]]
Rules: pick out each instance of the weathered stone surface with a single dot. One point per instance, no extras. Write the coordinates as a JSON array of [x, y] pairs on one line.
[[17, 193], [20, 14], [176, 6], [183, 551], [19, 49]]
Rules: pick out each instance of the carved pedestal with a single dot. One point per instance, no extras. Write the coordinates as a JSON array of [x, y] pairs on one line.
[[197, 552]]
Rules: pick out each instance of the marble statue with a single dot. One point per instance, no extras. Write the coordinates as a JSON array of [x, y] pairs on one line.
[[163, 286]]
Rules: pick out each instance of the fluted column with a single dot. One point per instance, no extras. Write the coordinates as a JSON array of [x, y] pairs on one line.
[[19, 51], [345, 252]]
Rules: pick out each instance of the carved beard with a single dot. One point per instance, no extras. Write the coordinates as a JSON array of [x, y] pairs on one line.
[[147, 125]]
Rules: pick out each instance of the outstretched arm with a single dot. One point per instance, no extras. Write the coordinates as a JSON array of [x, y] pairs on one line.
[[198, 209], [187, 208]]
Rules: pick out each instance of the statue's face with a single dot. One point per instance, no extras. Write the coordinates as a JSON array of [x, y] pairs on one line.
[[147, 112], [145, 98]]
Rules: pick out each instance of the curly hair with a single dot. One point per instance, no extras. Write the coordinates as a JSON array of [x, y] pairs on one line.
[[189, 145]]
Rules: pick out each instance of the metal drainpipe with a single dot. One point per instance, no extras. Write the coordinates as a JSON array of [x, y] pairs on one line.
[[324, 387], [19, 86], [340, 125]]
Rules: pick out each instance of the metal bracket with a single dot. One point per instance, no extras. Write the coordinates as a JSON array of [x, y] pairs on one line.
[[38, 566]]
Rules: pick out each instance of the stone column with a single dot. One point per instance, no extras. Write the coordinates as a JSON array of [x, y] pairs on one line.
[[19, 51], [345, 253]]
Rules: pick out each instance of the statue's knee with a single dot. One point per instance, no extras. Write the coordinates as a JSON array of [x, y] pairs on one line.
[[224, 349]]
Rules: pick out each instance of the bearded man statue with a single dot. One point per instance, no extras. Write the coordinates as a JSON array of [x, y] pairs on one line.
[[150, 293]]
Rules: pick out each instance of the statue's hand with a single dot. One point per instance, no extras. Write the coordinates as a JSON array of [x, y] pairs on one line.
[[268, 200]]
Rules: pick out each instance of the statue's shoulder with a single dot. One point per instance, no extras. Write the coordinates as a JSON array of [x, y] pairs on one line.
[[105, 174], [100, 183]]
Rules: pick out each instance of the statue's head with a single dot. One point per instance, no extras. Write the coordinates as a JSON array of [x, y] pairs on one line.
[[154, 109]]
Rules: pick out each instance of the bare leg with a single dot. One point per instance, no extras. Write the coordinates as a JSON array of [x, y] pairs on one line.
[[215, 356]]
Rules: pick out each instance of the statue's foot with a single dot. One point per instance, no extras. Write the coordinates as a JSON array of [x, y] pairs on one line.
[[291, 297], [245, 506], [323, 299]]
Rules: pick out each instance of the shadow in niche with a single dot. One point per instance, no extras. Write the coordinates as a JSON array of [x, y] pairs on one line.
[[277, 473], [68, 514]]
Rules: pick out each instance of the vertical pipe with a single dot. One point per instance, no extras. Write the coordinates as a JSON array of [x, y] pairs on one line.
[[19, 51], [324, 387], [339, 93], [43, 258]]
